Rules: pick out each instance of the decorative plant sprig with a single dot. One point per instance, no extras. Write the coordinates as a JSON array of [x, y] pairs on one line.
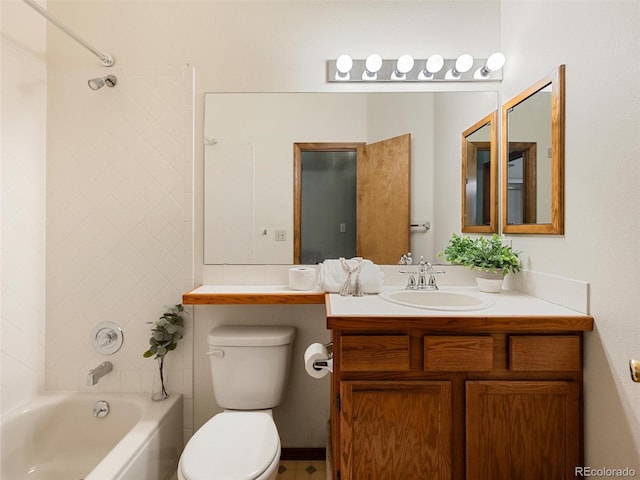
[[482, 253], [165, 336]]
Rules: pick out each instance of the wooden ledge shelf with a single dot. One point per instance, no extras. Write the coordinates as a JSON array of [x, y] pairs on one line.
[[248, 295]]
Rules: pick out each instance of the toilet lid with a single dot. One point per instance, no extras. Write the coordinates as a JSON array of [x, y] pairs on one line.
[[231, 446]]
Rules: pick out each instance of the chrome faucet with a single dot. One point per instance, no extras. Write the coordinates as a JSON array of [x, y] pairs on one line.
[[98, 372], [426, 277], [425, 269]]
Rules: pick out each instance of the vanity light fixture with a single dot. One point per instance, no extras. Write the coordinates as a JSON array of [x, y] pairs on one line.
[[372, 66], [494, 62], [405, 68], [344, 63]]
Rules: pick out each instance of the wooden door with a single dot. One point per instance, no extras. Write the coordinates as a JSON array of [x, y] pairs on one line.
[[527, 430], [383, 199], [395, 430]]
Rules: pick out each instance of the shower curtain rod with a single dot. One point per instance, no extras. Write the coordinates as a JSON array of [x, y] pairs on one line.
[[106, 59]]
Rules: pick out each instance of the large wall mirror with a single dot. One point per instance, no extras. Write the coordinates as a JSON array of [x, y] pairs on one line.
[[533, 158], [249, 150], [480, 176]]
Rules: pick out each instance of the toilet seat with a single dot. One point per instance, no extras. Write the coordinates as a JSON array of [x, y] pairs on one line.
[[235, 445]]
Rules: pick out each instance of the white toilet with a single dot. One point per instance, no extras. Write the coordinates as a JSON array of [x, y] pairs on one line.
[[249, 366]]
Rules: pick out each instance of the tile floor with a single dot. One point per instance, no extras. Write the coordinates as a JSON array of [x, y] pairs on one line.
[[302, 470]]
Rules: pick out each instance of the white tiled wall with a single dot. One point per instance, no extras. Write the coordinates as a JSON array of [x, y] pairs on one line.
[[22, 205], [119, 182], [569, 293]]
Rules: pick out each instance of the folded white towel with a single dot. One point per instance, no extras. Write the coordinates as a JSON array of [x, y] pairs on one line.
[[352, 276]]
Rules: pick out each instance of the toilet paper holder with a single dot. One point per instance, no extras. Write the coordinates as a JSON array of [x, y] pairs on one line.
[[325, 363]]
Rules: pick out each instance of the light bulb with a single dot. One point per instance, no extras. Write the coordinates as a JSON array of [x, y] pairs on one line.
[[434, 63], [344, 64], [372, 65], [404, 64], [343, 67], [495, 61], [464, 63]]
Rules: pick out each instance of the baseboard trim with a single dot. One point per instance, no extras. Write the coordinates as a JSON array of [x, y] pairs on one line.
[[303, 454]]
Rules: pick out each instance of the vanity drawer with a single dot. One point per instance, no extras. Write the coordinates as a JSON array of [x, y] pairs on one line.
[[470, 353], [552, 353], [374, 353]]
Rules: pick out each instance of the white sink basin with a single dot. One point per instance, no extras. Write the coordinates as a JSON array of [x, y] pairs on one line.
[[437, 299]]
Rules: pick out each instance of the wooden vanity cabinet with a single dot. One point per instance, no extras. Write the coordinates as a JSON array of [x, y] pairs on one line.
[[456, 400]]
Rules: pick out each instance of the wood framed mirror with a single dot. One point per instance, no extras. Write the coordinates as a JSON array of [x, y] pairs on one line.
[[533, 158], [480, 176]]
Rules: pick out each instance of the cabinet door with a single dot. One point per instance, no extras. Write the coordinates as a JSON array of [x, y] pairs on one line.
[[395, 430], [525, 430]]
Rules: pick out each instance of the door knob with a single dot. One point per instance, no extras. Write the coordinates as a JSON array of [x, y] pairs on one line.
[[634, 366]]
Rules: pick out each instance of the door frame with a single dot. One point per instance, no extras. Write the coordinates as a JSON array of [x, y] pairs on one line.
[[298, 148]]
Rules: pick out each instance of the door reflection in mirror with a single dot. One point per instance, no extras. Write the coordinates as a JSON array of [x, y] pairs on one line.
[[351, 199], [514, 190], [479, 176], [522, 180], [328, 205]]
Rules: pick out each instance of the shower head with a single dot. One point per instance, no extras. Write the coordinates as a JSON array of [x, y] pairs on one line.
[[98, 83]]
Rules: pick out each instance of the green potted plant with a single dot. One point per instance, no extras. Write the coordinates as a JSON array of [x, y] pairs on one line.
[[489, 256], [165, 335]]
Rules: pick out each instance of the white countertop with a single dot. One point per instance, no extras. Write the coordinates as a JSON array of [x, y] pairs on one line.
[[256, 289], [506, 303]]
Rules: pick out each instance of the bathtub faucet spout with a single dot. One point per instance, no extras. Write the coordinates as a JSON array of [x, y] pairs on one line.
[[98, 372]]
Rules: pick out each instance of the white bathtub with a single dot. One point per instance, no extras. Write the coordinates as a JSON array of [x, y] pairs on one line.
[[57, 437]]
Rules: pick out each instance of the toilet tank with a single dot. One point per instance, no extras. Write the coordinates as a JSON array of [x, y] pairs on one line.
[[250, 365]]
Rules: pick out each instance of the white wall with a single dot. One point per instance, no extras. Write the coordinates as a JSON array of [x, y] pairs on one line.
[[22, 175], [600, 44]]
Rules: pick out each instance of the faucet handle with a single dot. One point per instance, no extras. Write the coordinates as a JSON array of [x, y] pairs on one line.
[[406, 259], [411, 281], [106, 337]]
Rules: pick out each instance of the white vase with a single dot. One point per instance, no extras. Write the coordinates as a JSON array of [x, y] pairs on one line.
[[489, 282]]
